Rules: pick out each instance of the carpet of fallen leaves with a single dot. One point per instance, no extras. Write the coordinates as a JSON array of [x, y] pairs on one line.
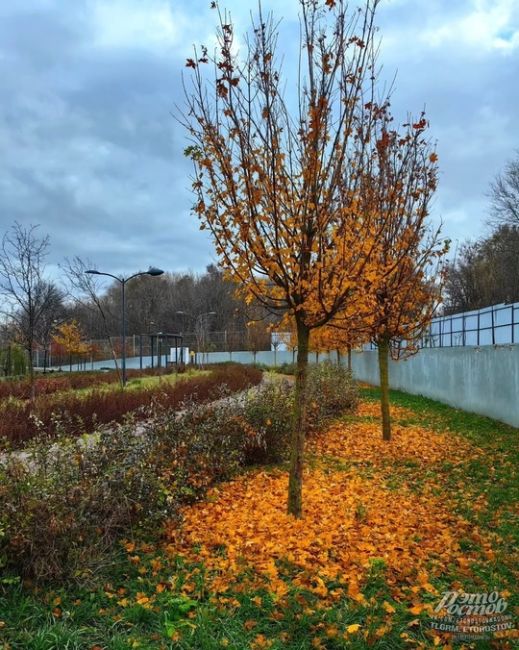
[[362, 442], [372, 410], [349, 519]]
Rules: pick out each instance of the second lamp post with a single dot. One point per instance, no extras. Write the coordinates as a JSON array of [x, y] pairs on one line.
[[151, 271]]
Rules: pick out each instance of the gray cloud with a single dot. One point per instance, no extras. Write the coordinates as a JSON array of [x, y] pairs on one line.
[[92, 153], [461, 61]]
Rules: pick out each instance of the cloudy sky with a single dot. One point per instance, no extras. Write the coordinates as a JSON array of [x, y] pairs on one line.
[[91, 152]]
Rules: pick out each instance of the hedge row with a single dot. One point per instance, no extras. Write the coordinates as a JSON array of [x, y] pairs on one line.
[[53, 383], [64, 505], [75, 414]]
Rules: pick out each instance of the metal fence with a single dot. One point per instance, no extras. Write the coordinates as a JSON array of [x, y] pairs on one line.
[[145, 350], [495, 325]]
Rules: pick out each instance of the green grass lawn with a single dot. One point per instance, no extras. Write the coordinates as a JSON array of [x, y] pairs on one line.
[[151, 597]]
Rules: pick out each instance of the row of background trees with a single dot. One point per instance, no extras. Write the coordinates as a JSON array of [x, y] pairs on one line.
[[482, 273], [486, 271], [38, 314]]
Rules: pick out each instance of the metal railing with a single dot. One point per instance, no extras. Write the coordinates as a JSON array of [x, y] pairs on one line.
[[495, 325], [142, 348]]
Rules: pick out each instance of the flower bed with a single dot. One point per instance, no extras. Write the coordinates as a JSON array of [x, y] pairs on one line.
[[53, 382], [81, 497], [75, 414]]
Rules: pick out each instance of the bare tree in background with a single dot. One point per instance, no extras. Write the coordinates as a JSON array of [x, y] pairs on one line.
[[53, 315], [87, 293], [28, 296], [485, 272], [504, 196]]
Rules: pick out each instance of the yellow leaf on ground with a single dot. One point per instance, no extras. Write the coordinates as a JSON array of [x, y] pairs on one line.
[[389, 608]]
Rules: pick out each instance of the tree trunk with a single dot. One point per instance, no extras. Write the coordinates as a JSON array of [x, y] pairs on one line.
[[339, 362], [349, 358], [295, 483], [32, 381], [383, 365]]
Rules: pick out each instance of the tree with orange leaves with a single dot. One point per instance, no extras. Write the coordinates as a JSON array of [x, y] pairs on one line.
[[319, 342], [410, 251], [340, 339], [281, 190], [70, 337]]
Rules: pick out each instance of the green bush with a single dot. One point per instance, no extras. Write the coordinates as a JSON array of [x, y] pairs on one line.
[[62, 506], [330, 392], [64, 502], [267, 410], [202, 445], [285, 369]]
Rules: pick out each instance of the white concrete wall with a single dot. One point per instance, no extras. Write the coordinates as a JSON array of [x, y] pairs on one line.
[[482, 380], [268, 357]]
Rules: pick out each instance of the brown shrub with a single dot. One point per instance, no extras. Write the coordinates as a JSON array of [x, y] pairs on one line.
[[53, 383], [78, 414]]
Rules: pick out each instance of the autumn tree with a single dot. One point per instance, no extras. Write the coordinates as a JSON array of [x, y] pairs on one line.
[[346, 333], [400, 189], [319, 342], [288, 337], [258, 337], [348, 329], [278, 175], [70, 338]]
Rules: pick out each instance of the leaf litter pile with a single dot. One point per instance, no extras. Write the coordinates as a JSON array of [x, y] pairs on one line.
[[348, 521], [387, 528], [349, 517], [356, 516]]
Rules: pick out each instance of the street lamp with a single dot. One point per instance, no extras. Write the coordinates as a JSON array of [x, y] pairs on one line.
[[199, 332], [153, 271]]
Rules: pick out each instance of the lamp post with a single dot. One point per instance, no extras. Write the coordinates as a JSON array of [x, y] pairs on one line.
[[198, 320], [153, 271]]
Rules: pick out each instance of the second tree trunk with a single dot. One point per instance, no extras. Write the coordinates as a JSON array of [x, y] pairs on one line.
[[383, 365], [295, 482]]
